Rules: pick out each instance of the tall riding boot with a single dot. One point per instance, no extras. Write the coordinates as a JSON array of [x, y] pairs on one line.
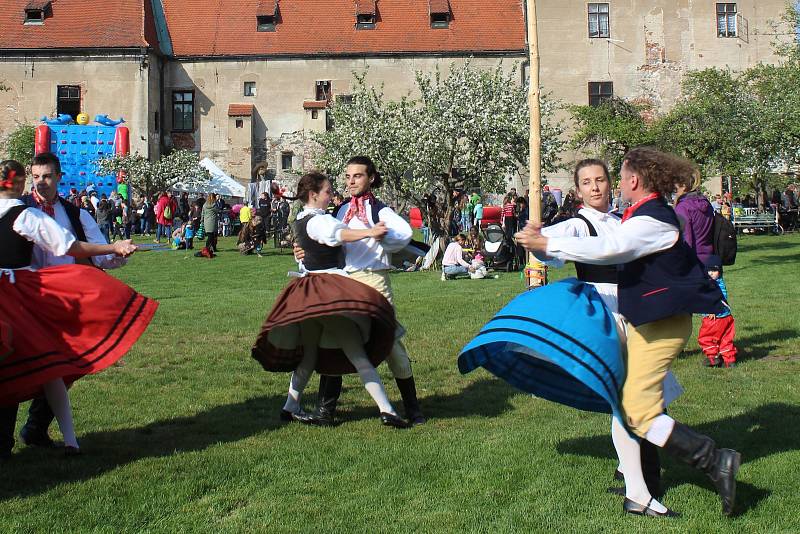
[[8, 421], [330, 387], [408, 391], [40, 416], [651, 467], [699, 451]]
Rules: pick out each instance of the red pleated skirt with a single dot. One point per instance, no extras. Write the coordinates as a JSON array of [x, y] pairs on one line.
[[64, 322], [278, 347]]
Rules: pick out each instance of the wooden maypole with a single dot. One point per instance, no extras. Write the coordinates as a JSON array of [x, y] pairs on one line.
[[535, 271]]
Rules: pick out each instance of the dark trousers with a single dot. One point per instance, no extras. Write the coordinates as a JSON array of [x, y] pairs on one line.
[[39, 418], [211, 241], [8, 422]]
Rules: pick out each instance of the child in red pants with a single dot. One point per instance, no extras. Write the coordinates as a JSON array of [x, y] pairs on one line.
[[717, 331]]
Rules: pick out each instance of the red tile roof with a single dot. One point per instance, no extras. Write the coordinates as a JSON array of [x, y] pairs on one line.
[[267, 8], [240, 110], [327, 27], [439, 6], [365, 7], [78, 24], [315, 104]]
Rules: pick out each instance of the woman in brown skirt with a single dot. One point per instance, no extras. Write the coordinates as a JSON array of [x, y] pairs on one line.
[[324, 320]]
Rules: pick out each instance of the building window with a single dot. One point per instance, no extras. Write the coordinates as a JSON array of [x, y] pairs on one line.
[[726, 20], [239, 123], [440, 13], [323, 91], [183, 111], [249, 88], [366, 14], [34, 16], [599, 24], [600, 92], [68, 100], [344, 99], [286, 161], [265, 23], [314, 113]]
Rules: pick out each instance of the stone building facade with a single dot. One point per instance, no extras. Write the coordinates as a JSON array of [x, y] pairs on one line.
[[247, 81]]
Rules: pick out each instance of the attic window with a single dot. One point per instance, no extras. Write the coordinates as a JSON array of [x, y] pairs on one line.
[[366, 14], [267, 15], [36, 11], [266, 23], [34, 16], [440, 13]]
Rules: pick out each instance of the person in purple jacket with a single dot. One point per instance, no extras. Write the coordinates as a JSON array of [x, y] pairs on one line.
[[696, 216]]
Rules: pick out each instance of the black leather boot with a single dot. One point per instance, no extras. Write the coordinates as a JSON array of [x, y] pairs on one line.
[[330, 387], [699, 451], [40, 416], [408, 391], [651, 467]]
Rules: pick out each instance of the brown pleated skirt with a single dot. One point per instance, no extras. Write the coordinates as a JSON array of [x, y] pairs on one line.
[[278, 347]]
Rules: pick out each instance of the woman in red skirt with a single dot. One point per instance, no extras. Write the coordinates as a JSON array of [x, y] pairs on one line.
[[59, 323], [325, 319]]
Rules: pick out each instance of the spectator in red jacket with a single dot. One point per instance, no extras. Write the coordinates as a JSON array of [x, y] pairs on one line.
[[166, 209]]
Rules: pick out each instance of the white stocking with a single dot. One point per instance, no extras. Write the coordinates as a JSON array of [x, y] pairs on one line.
[[348, 337], [629, 454], [310, 332], [57, 397]]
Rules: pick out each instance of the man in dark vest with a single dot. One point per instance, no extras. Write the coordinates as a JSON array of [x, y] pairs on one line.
[[46, 175], [661, 284]]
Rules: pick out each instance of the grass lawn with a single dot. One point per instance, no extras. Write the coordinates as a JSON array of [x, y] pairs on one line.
[[183, 435]]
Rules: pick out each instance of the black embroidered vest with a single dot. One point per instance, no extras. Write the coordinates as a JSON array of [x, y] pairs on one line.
[[317, 256], [667, 283], [15, 251]]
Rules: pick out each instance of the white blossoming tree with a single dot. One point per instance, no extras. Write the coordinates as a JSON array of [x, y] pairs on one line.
[[468, 129], [149, 177]]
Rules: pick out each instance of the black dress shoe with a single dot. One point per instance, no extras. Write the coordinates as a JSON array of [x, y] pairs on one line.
[[417, 419], [72, 451], [635, 508], [300, 417], [36, 439], [388, 419]]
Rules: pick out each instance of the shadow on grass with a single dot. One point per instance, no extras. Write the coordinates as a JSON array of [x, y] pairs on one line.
[[487, 397], [35, 470], [754, 246], [756, 434], [785, 259], [754, 346]]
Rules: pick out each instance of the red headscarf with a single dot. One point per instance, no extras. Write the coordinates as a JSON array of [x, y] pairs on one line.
[[358, 208], [8, 183]]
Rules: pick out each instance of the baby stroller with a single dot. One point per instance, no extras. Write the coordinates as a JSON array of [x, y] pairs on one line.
[[499, 253]]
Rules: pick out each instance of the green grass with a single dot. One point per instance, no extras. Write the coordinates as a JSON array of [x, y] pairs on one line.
[[183, 435]]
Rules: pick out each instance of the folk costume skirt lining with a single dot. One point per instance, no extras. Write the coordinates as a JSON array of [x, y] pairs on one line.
[[558, 342], [278, 347]]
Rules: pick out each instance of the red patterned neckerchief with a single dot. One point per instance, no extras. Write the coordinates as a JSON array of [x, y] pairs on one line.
[[630, 210], [358, 208], [44, 205]]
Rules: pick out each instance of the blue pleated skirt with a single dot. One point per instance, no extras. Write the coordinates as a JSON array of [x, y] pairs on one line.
[[558, 342]]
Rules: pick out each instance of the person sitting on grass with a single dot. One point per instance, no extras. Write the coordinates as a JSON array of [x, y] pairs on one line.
[[453, 263], [252, 237]]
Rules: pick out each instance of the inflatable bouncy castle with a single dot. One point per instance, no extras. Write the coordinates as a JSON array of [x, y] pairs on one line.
[[79, 146]]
